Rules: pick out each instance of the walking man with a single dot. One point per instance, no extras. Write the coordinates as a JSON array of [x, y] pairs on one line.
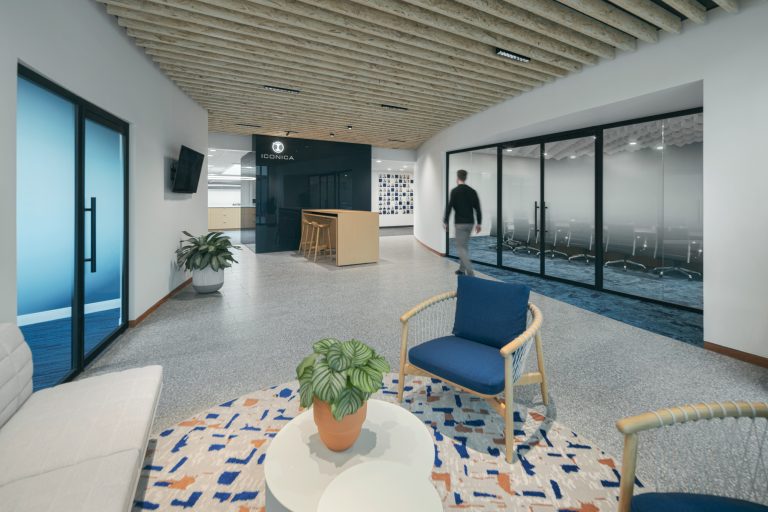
[[466, 204]]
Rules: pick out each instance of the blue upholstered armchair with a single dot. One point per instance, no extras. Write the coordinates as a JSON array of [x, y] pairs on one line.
[[486, 350]]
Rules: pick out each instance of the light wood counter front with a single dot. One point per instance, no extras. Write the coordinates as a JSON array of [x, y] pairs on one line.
[[354, 234]]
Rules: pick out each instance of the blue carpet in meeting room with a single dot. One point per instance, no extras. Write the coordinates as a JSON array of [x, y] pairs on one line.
[[682, 325]]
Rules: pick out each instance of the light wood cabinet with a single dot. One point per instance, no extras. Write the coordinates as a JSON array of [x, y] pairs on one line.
[[223, 218]]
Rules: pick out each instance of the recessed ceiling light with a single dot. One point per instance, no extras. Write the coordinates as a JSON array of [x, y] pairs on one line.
[[333, 134], [545, 154], [378, 161], [509, 149], [212, 150], [349, 127], [633, 143], [273, 88], [389, 168], [512, 55], [573, 156], [659, 147]]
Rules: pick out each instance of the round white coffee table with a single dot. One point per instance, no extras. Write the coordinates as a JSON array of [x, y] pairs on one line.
[[299, 467], [380, 486]]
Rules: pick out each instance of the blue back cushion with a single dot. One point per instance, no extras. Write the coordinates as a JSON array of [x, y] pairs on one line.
[[490, 312]]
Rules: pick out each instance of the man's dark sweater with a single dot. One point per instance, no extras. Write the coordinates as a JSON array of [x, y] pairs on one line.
[[464, 200]]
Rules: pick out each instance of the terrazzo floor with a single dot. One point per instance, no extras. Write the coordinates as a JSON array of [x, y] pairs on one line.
[[216, 347]]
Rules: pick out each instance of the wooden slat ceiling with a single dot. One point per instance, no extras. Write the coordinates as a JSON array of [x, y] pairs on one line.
[[347, 58]]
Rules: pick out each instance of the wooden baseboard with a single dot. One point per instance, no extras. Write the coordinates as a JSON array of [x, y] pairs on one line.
[[429, 248], [143, 316], [737, 354]]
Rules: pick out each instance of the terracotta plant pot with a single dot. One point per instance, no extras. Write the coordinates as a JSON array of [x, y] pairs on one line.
[[337, 435]]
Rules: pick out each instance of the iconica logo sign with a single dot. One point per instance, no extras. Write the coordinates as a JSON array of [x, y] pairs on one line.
[[277, 152]]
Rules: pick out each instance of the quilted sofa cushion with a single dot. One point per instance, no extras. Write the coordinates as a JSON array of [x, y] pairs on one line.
[[80, 421], [15, 371]]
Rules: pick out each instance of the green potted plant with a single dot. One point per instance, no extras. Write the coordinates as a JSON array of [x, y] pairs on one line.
[[336, 380], [206, 256]]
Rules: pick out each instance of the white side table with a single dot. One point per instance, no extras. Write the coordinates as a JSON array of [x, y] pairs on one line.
[[299, 467], [380, 486]]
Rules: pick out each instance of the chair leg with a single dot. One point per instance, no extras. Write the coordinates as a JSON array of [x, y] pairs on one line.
[[509, 420], [317, 241], [509, 410], [540, 360], [403, 352]]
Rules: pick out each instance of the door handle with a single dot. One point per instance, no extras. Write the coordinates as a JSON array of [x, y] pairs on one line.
[[536, 216], [92, 211]]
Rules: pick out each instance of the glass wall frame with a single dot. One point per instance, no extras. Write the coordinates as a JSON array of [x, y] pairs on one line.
[[598, 235], [87, 340]]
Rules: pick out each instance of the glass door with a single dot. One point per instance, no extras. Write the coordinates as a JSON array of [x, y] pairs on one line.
[[70, 227], [104, 232], [45, 227], [569, 248], [520, 210]]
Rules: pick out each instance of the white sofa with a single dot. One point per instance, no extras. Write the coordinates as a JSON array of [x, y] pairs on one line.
[[74, 447]]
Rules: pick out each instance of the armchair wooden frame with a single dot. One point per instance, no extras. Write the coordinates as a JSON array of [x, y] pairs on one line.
[[632, 425], [507, 351]]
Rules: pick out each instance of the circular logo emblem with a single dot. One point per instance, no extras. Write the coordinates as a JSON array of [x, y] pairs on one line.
[[278, 147]]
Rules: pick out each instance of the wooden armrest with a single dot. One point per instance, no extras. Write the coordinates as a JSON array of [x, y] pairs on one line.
[[532, 329], [424, 305], [691, 412]]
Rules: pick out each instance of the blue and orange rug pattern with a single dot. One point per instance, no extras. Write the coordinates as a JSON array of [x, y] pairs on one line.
[[215, 460]]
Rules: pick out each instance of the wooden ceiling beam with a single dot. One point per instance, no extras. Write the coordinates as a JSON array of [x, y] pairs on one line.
[[307, 91], [568, 17], [342, 35], [495, 30], [299, 102], [212, 47], [389, 84], [691, 9], [263, 72], [617, 18], [652, 13], [728, 5], [522, 18], [384, 26], [206, 26], [413, 20]]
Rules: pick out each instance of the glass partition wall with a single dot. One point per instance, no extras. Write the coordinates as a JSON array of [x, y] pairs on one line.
[[615, 207]]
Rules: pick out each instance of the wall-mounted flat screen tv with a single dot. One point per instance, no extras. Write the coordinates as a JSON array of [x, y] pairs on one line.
[[187, 172]]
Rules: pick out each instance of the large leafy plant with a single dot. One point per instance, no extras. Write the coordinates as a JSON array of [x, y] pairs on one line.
[[198, 252], [343, 373]]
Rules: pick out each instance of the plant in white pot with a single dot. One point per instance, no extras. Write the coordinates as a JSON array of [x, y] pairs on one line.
[[206, 256]]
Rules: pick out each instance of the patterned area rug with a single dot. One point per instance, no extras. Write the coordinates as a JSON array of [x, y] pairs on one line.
[[215, 460]]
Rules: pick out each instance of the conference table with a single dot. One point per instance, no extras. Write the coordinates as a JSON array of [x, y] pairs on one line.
[[354, 234]]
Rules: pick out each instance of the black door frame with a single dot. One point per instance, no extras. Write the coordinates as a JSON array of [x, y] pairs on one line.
[[86, 110], [597, 131]]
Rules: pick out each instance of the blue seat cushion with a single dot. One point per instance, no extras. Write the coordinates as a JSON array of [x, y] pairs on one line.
[[467, 363], [490, 312], [684, 502]]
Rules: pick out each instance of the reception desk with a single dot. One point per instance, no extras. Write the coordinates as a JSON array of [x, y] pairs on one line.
[[354, 234]]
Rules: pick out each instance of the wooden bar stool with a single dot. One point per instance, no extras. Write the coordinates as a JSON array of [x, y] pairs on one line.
[[321, 239], [306, 236]]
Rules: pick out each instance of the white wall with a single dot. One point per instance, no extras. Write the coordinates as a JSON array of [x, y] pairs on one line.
[[727, 55], [77, 45], [224, 197]]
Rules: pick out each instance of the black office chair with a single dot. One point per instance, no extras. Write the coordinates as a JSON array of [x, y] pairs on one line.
[[621, 240], [679, 249], [581, 237], [524, 237]]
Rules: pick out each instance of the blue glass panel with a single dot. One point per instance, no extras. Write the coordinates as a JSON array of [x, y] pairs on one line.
[[104, 168], [45, 156]]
